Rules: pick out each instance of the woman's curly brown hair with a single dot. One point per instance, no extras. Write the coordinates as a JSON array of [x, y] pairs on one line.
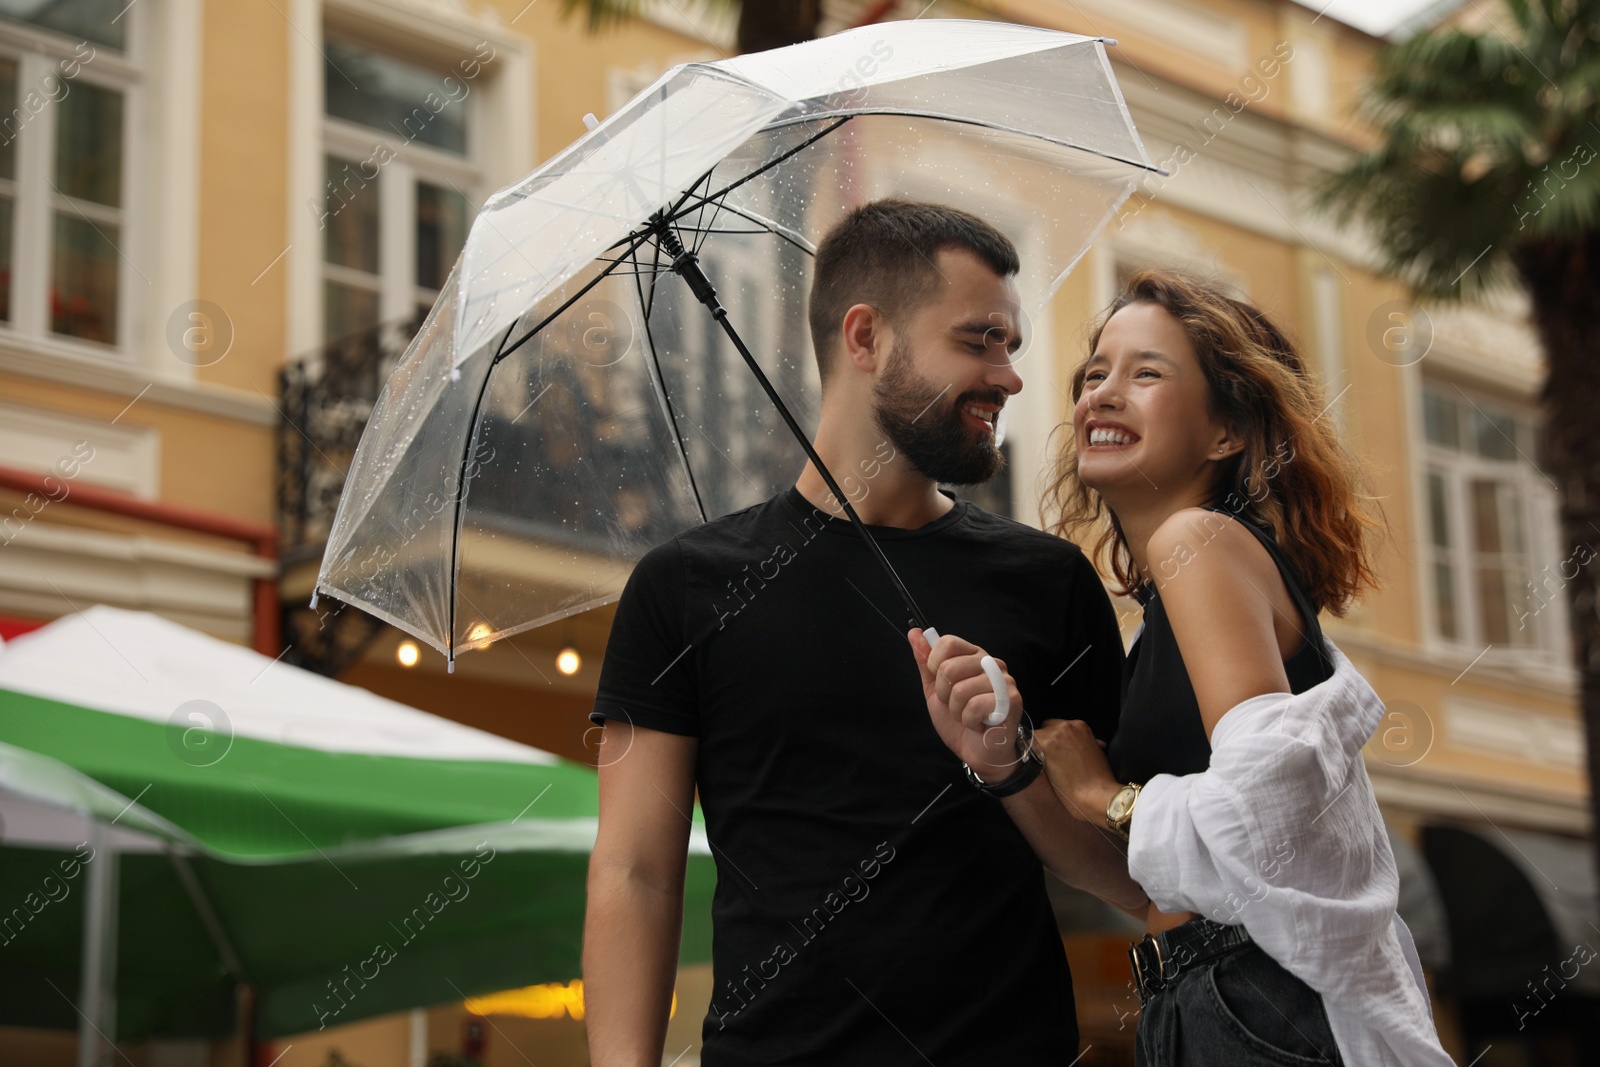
[[1293, 477]]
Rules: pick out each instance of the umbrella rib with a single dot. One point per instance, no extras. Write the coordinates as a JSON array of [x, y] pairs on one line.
[[660, 382], [661, 127], [974, 122], [635, 237], [710, 226], [504, 351], [769, 226], [655, 259], [461, 496], [620, 263], [539, 195], [547, 201], [704, 179], [637, 270], [704, 230], [802, 146], [551, 177]]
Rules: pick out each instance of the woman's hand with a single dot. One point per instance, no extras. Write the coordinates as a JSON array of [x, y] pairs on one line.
[[960, 698], [1075, 762]]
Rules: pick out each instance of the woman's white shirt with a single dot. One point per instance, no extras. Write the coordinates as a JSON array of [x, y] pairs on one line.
[[1283, 834]]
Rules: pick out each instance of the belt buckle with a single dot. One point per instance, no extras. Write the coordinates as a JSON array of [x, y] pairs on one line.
[[1135, 955]]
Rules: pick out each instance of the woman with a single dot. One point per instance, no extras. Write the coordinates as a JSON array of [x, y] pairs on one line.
[[1229, 509]]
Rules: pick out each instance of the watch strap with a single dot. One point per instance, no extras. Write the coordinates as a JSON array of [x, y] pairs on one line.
[[1028, 767]]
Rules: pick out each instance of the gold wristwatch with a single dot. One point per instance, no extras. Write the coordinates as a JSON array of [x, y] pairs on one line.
[[1120, 810]]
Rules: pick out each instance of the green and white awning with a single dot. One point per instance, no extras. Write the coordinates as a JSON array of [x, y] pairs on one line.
[[255, 823]]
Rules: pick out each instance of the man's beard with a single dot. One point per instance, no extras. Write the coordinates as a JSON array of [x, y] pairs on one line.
[[933, 438]]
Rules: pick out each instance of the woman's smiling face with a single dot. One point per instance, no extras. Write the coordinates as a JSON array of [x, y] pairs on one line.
[[1143, 421]]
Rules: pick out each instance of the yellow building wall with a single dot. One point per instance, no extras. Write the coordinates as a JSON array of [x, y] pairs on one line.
[[1377, 426], [571, 66], [244, 183], [208, 463], [1143, 54]]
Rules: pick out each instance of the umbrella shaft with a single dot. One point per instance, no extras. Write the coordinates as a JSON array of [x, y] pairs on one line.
[[687, 266]]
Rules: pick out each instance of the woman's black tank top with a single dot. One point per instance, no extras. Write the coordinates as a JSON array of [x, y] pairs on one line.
[[1161, 731]]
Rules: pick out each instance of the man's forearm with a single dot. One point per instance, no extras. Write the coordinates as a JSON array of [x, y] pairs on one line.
[[1078, 853], [631, 935]]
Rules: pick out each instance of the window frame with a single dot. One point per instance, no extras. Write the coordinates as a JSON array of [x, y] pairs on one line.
[[1539, 508], [38, 53], [399, 295]]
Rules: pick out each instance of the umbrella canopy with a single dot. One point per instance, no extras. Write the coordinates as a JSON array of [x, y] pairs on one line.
[[343, 854], [566, 406]]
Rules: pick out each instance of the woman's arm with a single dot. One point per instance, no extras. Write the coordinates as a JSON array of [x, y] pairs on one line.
[[1225, 599], [1083, 855]]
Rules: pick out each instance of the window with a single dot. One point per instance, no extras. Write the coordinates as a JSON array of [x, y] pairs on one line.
[[99, 21], [396, 206], [1489, 517], [67, 93]]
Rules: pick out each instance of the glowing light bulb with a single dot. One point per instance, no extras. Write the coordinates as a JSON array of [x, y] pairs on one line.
[[407, 654], [568, 661]]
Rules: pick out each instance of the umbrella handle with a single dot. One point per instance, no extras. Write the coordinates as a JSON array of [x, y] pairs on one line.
[[997, 682]]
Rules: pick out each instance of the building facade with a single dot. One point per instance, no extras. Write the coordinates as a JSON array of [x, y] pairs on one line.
[[220, 221]]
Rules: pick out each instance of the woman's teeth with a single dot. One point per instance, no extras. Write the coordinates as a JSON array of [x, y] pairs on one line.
[[1102, 436]]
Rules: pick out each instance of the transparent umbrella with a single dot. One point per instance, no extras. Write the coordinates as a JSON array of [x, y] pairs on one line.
[[569, 402]]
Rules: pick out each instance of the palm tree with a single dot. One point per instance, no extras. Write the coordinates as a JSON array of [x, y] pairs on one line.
[[769, 24], [1487, 174]]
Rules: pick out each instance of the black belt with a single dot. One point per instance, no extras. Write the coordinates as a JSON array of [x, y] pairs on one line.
[[1158, 960]]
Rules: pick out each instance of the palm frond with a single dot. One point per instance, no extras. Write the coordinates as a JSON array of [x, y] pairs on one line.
[[1453, 66], [1430, 228], [1487, 143]]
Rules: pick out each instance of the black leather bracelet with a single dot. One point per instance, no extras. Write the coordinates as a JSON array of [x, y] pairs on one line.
[[1028, 767]]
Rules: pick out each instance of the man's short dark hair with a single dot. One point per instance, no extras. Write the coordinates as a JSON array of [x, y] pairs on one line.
[[882, 254]]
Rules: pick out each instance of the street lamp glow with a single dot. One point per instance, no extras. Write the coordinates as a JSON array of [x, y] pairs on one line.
[[407, 654], [568, 661]]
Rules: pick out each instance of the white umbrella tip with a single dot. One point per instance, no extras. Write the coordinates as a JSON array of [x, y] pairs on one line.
[[591, 123]]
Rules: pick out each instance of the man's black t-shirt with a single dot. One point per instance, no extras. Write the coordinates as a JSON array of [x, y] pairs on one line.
[[871, 906]]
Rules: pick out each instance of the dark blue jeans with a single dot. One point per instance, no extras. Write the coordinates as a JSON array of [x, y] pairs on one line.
[[1238, 1010]]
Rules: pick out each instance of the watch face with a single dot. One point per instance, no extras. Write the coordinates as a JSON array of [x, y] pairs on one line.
[[1121, 803]]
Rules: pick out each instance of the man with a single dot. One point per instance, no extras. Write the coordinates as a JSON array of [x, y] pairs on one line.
[[872, 906]]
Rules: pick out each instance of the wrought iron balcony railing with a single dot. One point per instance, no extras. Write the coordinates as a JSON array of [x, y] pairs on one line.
[[325, 399]]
